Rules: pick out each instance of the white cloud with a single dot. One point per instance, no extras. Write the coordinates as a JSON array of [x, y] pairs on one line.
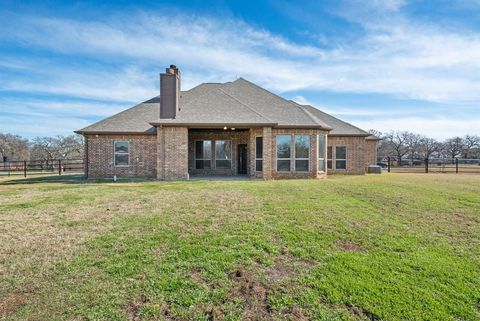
[[53, 107], [127, 84], [43, 125], [398, 56], [436, 127], [302, 100]]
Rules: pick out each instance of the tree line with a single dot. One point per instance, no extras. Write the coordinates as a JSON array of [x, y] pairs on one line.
[[401, 145], [405, 145], [15, 147]]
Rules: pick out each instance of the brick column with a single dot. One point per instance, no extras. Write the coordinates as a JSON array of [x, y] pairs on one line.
[[314, 154], [172, 153], [85, 156], [267, 153]]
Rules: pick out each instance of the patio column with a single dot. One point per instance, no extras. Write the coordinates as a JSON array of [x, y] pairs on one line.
[[267, 153], [172, 153], [314, 153]]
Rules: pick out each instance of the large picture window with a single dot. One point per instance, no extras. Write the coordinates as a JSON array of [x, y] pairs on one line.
[[321, 152], [329, 157], [223, 154], [302, 153], [283, 153], [203, 154], [340, 157], [121, 153], [258, 154]]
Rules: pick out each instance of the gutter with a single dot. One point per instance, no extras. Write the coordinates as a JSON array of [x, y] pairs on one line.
[[238, 125], [81, 132]]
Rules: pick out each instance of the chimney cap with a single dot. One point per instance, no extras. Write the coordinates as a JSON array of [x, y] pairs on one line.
[[172, 70]]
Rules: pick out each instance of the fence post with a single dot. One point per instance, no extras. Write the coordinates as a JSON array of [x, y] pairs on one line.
[[456, 165], [426, 165], [59, 167], [388, 164], [24, 168]]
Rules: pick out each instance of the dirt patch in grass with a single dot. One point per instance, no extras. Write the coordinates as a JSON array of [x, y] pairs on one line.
[[133, 309], [349, 246], [296, 314], [213, 313], [196, 274], [253, 293], [361, 313], [12, 303], [280, 271]]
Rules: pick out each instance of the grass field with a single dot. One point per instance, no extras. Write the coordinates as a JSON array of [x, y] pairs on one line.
[[392, 247]]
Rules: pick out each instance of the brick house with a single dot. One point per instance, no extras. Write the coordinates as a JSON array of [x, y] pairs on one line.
[[223, 129]]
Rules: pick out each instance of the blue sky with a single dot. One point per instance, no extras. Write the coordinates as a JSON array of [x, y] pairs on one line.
[[386, 65]]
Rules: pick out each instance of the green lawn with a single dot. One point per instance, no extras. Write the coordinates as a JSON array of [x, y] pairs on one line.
[[386, 247]]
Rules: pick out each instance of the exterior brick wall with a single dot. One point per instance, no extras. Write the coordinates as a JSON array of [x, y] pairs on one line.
[[371, 155], [253, 134], [360, 152], [100, 155], [171, 153], [172, 144], [236, 137]]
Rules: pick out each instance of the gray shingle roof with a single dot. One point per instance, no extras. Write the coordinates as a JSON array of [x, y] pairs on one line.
[[232, 103], [340, 127]]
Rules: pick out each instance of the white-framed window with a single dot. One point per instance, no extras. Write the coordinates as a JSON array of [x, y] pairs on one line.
[[284, 153], [223, 154], [258, 154], [322, 140], [340, 157], [302, 153], [121, 153], [329, 157], [203, 154]]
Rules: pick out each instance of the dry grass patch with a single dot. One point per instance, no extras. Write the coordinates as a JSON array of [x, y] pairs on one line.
[[235, 250]]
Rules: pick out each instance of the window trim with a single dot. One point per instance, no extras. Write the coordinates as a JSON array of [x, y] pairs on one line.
[[295, 154], [121, 153], [276, 154], [330, 159], [323, 157], [231, 154], [258, 159], [340, 159], [201, 159]]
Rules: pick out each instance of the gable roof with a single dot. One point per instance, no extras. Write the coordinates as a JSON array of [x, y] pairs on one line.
[[238, 103], [340, 127]]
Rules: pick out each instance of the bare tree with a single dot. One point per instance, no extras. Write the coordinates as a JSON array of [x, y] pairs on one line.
[[398, 142], [48, 149], [13, 147], [429, 146], [453, 147], [375, 133], [413, 143], [384, 147], [470, 143]]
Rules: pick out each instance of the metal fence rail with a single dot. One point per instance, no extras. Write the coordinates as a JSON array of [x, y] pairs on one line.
[[38, 167], [430, 165]]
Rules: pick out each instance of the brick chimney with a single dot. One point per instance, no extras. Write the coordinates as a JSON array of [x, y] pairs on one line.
[[169, 92]]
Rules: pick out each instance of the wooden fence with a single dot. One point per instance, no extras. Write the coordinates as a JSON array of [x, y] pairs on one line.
[[38, 167], [431, 165]]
